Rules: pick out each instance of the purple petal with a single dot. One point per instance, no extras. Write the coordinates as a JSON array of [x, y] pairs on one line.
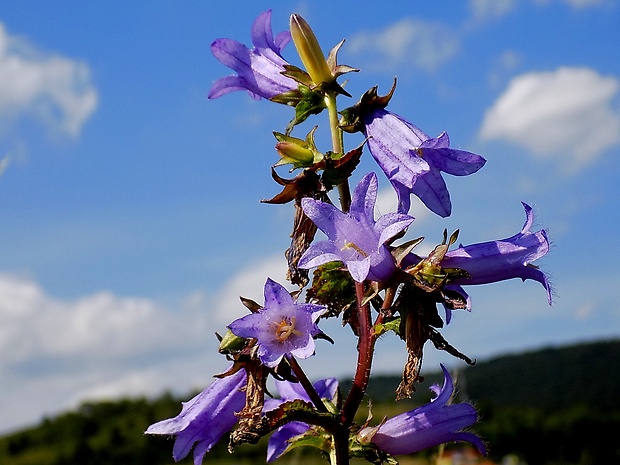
[[431, 189], [324, 215], [318, 254], [276, 294], [278, 442], [359, 269], [391, 224], [430, 425], [205, 418], [494, 261], [364, 198], [454, 162]]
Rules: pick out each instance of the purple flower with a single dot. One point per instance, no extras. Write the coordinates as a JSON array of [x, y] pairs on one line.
[[493, 261], [259, 70], [279, 440], [281, 327], [355, 238], [205, 418], [413, 161], [430, 425]]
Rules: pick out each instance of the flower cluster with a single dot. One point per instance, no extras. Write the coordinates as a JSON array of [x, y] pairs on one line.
[[364, 271]]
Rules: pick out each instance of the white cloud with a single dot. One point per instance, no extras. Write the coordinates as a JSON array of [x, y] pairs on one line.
[[96, 345], [567, 113], [409, 42], [575, 3], [490, 9], [54, 89], [103, 345]]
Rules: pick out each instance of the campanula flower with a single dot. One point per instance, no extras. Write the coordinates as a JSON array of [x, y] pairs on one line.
[[281, 327], [489, 262], [413, 161], [427, 426], [355, 238], [278, 442], [205, 418], [259, 70]]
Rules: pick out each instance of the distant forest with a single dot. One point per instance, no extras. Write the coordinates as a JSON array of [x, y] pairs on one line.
[[556, 406]]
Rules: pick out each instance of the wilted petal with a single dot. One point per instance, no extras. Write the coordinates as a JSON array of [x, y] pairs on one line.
[[205, 418]]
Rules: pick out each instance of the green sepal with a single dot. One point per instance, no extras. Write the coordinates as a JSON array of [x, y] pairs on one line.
[[392, 325], [231, 343], [314, 437], [306, 101], [370, 452], [301, 153], [332, 286]]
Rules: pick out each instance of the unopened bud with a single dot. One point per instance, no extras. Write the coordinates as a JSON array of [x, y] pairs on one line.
[[309, 51]]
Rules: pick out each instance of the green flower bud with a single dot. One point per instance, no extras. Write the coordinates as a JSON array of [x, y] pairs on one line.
[[309, 51]]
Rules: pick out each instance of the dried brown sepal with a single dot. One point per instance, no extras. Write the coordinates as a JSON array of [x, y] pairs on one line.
[[251, 414], [306, 184], [250, 304], [302, 236], [441, 344], [337, 170], [297, 410], [353, 117], [418, 310]]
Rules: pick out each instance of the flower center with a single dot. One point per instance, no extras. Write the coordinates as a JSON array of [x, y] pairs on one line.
[[285, 329], [351, 245]]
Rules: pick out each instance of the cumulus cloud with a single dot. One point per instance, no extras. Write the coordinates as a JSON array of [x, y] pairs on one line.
[[410, 42], [96, 345], [569, 113], [103, 345], [53, 89], [490, 9]]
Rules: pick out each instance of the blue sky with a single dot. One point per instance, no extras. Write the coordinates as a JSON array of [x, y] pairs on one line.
[[130, 206]]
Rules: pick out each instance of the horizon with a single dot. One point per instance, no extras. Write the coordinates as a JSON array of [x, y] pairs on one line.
[[127, 241]]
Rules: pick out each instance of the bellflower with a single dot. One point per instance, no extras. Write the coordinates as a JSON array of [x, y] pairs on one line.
[[279, 440], [355, 238], [205, 418], [413, 161], [493, 261], [429, 425], [259, 70], [281, 327]]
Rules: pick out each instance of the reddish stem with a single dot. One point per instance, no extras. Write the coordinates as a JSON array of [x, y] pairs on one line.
[[365, 346], [306, 384]]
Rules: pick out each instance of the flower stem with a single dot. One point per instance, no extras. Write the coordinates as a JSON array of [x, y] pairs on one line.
[[365, 349], [337, 147], [306, 384]]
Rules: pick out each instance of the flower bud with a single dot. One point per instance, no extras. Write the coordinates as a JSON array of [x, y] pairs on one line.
[[300, 153], [231, 343], [309, 51]]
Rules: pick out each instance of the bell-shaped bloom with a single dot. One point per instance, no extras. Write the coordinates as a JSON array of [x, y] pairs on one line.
[[355, 238], [429, 425], [205, 418], [279, 440], [489, 262], [413, 161], [281, 327], [259, 70]]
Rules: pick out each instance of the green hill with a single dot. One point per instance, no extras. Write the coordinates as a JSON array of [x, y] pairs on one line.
[[552, 406]]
